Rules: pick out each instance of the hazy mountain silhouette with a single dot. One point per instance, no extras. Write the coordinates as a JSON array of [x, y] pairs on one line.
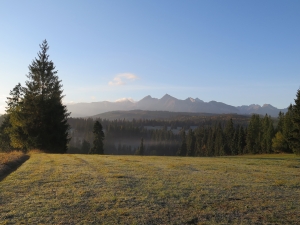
[[169, 103]]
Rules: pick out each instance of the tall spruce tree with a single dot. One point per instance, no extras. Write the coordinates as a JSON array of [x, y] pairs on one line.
[[280, 122], [183, 147], [288, 127], [267, 134], [98, 139], [191, 143], [37, 116], [229, 135], [253, 137], [140, 150], [295, 139], [241, 141]]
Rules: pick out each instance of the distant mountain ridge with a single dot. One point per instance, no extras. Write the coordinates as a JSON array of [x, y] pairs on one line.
[[169, 103]]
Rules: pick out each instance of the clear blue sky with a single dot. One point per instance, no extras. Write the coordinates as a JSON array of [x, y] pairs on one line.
[[236, 52]]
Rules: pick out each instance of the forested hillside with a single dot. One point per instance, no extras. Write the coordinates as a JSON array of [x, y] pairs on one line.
[[203, 136], [195, 118]]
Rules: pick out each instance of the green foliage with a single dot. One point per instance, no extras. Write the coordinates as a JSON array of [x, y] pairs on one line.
[[241, 141], [37, 116], [4, 135], [140, 150], [98, 139], [280, 124], [267, 134], [191, 143], [254, 135], [288, 127], [182, 151], [229, 132], [295, 134], [85, 147], [279, 143]]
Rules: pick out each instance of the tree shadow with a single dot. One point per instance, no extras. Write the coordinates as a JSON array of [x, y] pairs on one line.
[[12, 166]]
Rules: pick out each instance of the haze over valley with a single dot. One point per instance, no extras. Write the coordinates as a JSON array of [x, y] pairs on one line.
[[171, 104]]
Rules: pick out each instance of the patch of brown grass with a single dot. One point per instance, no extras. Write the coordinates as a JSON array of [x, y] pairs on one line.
[[10, 161], [34, 151]]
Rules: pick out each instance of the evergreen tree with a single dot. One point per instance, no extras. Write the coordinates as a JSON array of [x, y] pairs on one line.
[[191, 143], [37, 115], [288, 127], [267, 134], [183, 147], [278, 143], [219, 141], [4, 135], [241, 141], [280, 122], [253, 138], [98, 139], [17, 136], [140, 150], [85, 147], [234, 142], [210, 143], [229, 133], [295, 139]]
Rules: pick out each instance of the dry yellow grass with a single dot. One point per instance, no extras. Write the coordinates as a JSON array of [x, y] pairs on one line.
[[91, 189], [10, 161]]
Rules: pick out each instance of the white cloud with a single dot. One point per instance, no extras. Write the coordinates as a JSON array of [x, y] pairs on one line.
[[69, 102], [119, 79]]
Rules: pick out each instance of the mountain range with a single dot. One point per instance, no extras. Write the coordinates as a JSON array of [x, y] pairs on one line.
[[171, 104]]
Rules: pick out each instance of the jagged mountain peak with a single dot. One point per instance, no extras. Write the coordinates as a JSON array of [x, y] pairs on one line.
[[198, 100], [191, 99], [172, 104], [167, 96], [125, 100], [268, 106], [146, 98]]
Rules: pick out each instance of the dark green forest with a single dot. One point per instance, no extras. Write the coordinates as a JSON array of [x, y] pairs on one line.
[[206, 136]]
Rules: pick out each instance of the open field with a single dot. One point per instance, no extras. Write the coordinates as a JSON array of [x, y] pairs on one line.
[[90, 189]]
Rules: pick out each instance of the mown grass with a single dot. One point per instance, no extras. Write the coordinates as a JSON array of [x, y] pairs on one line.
[[91, 189], [10, 161]]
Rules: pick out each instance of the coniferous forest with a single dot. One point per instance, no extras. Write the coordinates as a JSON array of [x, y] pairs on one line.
[[213, 137]]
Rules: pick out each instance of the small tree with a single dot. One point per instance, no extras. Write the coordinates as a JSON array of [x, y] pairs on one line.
[[140, 150], [98, 139], [85, 147], [182, 151], [4, 136], [191, 143], [295, 139], [279, 143]]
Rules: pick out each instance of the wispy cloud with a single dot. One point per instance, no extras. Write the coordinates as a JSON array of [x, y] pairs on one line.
[[121, 79]]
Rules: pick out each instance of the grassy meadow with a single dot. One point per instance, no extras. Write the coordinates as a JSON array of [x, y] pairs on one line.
[[92, 189]]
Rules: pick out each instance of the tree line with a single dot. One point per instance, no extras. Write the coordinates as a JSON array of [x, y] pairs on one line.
[[216, 138]]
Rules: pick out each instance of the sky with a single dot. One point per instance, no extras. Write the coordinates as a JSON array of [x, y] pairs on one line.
[[236, 52]]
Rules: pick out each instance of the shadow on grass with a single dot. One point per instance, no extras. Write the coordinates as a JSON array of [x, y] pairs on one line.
[[8, 168]]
